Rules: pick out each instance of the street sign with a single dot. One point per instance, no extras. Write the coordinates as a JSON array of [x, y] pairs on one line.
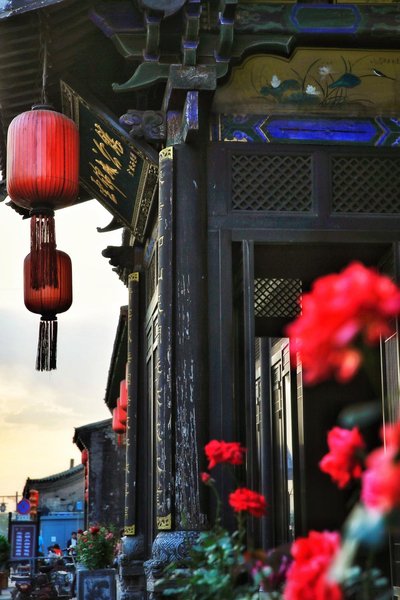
[[23, 540], [23, 506]]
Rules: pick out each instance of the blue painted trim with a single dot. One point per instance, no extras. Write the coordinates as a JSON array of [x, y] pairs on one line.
[[322, 130]]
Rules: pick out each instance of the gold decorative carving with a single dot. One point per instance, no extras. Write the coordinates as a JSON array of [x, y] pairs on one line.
[[164, 522], [133, 276], [130, 530], [167, 152]]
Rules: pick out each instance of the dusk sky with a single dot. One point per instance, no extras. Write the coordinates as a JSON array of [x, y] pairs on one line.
[[39, 410]]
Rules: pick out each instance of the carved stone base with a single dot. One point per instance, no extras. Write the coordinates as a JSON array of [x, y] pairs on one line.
[[167, 547], [132, 577]]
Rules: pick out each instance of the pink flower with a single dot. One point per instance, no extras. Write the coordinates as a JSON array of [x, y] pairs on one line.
[[340, 308], [224, 452], [307, 577], [380, 488], [344, 459]]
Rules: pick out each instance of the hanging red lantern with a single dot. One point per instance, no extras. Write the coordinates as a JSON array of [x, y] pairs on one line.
[[117, 426], [123, 395], [48, 302], [84, 456], [42, 175], [122, 414]]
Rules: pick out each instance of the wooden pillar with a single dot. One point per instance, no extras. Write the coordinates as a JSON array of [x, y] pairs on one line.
[[131, 561], [163, 409], [181, 425], [190, 341]]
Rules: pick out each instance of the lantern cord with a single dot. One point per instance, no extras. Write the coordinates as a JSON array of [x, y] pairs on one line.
[[43, 251], [43, 31], [46, 358], [44, 74]]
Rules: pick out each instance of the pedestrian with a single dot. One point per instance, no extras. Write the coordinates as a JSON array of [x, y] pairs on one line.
[[72, 543]]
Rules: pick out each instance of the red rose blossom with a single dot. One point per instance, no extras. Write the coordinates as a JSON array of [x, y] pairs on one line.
[[244, 499], [307, 577], [344, 459], [94, 529], [340, 307], [224, 452], [205, 477]]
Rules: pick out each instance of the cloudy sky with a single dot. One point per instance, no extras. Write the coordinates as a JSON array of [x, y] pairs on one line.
[[39, 410]]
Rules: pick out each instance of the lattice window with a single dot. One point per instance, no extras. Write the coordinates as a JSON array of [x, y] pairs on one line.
[[277, 297], [272, 182], [364, 184]]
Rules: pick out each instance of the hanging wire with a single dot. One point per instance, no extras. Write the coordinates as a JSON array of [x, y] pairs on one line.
[[44, 73], [44, 51]]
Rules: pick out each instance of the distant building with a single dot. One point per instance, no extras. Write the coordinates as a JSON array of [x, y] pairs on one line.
[[104, 492], [61, 504]]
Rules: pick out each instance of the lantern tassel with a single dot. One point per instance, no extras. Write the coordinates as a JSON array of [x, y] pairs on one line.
[[46, 358], [43, 249]]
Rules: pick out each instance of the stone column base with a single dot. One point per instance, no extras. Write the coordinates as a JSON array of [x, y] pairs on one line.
[[131, 571], [167, 547]]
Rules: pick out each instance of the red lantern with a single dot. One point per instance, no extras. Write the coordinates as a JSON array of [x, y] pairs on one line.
[[122, 414], [48, 302], [84, 456], [123, 395], [42, 175], [34, 501], [117, 426]]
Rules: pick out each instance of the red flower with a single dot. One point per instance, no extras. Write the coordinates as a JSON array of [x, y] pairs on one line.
[[307, 577], [244, 499], [224, 452], [343, 461], [380, 488], [94, 529], [205, 477], [340, 307]]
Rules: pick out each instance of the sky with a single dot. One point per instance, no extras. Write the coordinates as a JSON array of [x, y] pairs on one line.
[[39, 410]]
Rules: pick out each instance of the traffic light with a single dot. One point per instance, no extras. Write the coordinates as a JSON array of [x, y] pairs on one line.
[[34, 501]]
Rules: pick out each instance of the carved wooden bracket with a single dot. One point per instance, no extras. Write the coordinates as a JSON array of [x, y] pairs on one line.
[[125, 257], [147, 124]]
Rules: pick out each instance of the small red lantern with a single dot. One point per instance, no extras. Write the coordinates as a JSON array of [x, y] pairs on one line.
[[122, 414], [48, 301], [117, 426], [42, 175], [123, 395], [84, 456]]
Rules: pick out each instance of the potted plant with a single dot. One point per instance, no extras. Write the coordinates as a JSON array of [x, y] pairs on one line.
[[95, 554], [4, 558]]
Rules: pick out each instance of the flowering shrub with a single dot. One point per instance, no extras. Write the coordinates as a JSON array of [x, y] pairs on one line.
[[217, 567], [341, 317], [95, 548]]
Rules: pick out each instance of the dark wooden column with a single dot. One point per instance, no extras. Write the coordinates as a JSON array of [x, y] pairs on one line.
[[131, 423], [164, 399], [131, 562], [181, 417], [191, 333]]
